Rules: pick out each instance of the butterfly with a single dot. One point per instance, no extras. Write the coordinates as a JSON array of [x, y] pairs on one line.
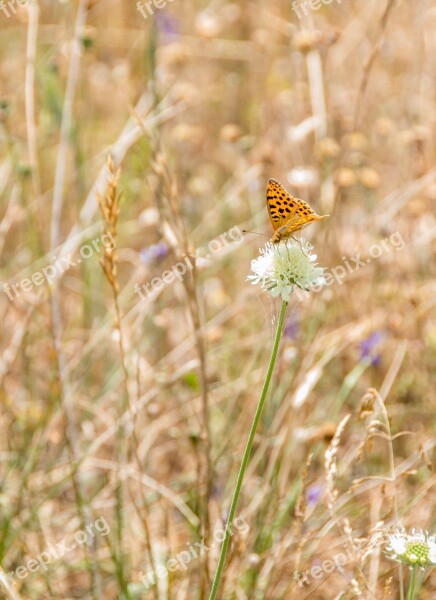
[[287, 214]]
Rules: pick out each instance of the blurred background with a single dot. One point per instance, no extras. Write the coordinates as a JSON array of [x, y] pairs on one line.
[[136, 141]]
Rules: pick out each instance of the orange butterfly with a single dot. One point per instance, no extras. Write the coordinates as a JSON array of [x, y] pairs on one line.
[[287, 214]]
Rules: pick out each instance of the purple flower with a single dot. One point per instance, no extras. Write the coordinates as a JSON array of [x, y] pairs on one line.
[[168, 27], [369, 348], [291, 329], [154, 252], [313, 494]]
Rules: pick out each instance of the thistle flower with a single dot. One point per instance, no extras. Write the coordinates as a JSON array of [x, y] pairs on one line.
[[415, 549], [282, 267]]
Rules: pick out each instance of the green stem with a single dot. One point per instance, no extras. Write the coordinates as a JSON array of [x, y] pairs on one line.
[[411, 595], [246, 456]]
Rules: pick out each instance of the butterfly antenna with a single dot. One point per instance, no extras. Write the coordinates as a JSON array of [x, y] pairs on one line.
[[255, 232]]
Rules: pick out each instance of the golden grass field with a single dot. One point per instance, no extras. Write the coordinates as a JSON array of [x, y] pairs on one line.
[[136, 141]]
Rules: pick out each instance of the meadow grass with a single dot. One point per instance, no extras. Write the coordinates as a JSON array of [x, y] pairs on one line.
[[134, 410]]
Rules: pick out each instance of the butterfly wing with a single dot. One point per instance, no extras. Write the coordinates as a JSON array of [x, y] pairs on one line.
[[280, 204], [287, 213], [304, 215]]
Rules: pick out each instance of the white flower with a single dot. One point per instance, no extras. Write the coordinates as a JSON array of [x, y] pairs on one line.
[[397, 543], [417, 548], [301, 177], [281, 267]]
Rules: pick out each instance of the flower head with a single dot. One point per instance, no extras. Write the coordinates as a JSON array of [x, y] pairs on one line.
[[168, 26], [417, 548], [370, 348], [281, 267], [291, 329], [313, 494], [154, 252]]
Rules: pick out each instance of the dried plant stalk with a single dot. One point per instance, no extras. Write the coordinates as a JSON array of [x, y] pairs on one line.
[[109, 209]]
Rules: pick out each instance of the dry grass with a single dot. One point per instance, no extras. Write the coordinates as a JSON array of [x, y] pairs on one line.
[[137, 410]]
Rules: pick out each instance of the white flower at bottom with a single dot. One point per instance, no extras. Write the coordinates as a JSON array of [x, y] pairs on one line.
[[417, 548], [281, 267]]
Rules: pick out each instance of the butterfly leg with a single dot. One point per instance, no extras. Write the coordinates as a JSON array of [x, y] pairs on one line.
[[301, 245]]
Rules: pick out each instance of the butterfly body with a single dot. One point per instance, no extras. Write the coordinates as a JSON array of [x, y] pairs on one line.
[[287, 214]]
